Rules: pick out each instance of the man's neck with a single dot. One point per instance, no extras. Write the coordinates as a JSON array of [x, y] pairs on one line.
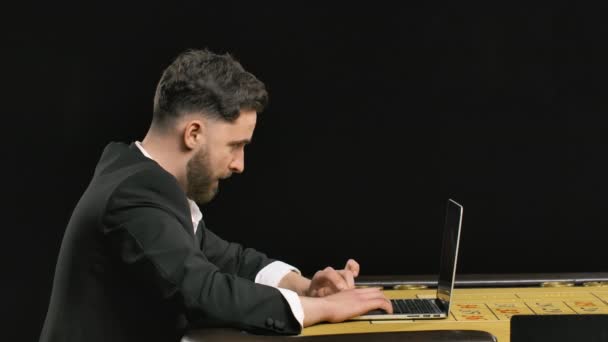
[[166, 153], [195, 211]]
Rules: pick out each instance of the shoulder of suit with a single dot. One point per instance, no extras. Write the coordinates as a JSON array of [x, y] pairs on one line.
[[118, 157], [135, 175], [150, 187]]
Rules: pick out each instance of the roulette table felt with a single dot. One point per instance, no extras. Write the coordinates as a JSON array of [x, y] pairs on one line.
[[482, 308]]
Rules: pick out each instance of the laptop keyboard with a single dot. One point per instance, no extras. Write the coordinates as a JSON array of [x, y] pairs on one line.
[[414, 306]]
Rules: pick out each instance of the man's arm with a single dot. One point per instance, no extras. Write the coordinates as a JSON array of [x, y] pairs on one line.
[[161, 256], [295, 282], [231, 257], [249, 263], [167, 262]]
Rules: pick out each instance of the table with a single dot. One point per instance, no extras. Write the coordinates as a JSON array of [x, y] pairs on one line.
[[481, 310], [486, 302]]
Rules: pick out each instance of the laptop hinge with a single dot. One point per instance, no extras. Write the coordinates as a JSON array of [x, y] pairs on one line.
[[442, 304]]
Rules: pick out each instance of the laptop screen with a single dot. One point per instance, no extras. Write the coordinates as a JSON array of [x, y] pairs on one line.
[[449, 251]]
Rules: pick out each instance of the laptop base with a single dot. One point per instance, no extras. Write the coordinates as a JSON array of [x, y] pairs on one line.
[[382, 317]]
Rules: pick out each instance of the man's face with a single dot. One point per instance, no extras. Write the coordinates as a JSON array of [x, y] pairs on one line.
[[222, 155]]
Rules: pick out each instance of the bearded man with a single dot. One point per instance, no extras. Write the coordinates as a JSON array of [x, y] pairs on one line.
[[137, 262]]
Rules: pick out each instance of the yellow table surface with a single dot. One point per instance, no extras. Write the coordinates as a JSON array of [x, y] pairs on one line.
[[486, 309]]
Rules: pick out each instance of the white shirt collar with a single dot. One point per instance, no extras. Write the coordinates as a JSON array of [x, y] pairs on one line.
[[195, 211]]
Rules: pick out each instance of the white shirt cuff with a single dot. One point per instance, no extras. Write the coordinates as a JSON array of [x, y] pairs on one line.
[[271, 275], [294, 303]]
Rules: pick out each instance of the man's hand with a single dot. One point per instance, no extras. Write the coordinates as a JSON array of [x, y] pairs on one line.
[[343, 305], [330, 281]]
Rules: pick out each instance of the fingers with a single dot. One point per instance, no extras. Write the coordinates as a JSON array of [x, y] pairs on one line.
[[329, 280], [371, 294], [382, 303], [348, 277], [369, 289], [352, 266], [335, 279], [375, 299], [355, 302], [340, 280]]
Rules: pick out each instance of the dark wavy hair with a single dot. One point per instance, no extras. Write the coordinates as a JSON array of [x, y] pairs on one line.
[[212, 84]]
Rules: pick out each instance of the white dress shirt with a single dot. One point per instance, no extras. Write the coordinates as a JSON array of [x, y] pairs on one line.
[[270, 275]]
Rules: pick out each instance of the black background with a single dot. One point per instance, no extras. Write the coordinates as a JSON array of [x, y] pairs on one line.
[[377, 115]]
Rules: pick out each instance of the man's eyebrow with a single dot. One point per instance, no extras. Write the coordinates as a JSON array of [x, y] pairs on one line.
[[241, 142]]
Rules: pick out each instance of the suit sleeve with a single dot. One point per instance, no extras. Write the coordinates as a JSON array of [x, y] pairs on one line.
[[146, 236], [231, 257]]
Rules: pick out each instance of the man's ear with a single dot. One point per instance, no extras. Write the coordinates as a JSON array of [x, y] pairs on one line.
[[194, 134]]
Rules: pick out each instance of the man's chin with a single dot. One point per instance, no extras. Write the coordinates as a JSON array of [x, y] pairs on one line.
[[207, 197]]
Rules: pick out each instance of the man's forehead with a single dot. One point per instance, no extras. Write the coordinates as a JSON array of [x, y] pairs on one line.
[[240, 129], [248, 117]]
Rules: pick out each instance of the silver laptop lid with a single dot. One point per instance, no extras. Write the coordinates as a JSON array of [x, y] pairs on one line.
[[449, 252]]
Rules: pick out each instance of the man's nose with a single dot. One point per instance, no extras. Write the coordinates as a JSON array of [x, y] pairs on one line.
[[238, 164]]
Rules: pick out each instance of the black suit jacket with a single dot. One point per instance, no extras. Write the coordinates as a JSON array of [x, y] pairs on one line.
[[131, 269]]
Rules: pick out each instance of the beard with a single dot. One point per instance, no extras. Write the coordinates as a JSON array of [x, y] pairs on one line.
[[202, 185]]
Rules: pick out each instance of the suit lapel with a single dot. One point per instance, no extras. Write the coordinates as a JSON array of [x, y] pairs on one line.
[[199, 232]]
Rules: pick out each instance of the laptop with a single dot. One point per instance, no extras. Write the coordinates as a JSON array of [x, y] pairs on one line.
[[438, 307]]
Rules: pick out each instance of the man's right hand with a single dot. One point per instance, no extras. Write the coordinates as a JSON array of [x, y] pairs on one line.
[[343, 305]]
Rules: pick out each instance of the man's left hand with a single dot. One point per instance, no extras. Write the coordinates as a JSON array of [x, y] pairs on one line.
[[330, 281]]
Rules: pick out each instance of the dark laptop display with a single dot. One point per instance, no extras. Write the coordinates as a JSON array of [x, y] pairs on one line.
[[449, 252], [438, 307]]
